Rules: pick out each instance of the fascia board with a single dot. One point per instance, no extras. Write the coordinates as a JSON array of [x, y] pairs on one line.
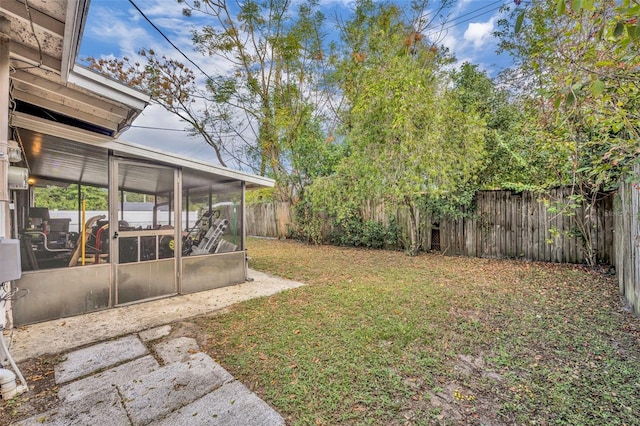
[[73, 29], [107, 87]]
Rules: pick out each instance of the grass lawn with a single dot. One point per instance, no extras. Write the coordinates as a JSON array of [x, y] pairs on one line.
[[378, 337]]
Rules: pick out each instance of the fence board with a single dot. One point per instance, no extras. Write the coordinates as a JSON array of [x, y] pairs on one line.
[[561, 223], [513, 225], [494, 223], [517, 225], [501, 228], [606, 235], [460, 235], [545, 218], [533, 218], [470, 234], [569, 246], [528, 231]]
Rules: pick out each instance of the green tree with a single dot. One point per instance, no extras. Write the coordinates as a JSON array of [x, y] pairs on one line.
[[518, 156], [312, 154], [578, 64], [409, 145], [581, 65], [66, 197], [258, 110]]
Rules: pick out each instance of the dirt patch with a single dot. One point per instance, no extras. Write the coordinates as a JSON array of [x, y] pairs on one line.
[[469, 398], [42, 394], [190, 329], [475, 366], [183, 329], [466, 395]]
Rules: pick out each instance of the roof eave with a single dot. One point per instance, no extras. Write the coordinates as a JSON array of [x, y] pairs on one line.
[[107, 87], [73, 73], [74, 26], [82, 136]]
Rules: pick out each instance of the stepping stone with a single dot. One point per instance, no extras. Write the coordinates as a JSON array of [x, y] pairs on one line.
[[103, 355], [154, 395], [232, 404], [107, 379], [175, 350], [155, 333], [99, 408]]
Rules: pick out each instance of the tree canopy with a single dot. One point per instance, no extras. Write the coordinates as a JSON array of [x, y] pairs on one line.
[[580, 66], [380, 112]]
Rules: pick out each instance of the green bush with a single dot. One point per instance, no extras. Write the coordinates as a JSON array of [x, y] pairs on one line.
[[307, 225], [357, 233]]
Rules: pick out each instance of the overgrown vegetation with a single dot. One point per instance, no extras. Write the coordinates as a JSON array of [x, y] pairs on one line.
[[377, 114], [368, 234], [380, 338], [68, 198], [577, 63]]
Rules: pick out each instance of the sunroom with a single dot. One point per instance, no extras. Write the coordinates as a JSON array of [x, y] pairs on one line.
[[169, 225]]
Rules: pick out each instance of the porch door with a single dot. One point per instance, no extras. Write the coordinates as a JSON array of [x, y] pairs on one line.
[[144, 241]]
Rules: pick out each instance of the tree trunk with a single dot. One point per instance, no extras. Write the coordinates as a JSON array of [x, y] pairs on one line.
[[414, 229]]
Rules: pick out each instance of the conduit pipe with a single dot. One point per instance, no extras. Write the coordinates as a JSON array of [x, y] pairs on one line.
[[8, 388]]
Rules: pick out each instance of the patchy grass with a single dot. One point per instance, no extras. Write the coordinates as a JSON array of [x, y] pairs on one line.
[[381, 338]]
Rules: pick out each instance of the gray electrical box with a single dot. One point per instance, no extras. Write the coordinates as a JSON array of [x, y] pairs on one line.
[[10, 266], [18, 178]]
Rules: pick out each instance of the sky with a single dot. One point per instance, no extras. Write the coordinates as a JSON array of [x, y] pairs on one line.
[[115, 28]]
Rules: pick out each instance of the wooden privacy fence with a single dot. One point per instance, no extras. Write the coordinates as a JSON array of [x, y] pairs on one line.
[[504, 225], [268, 219], [519, 225], [627, 242], [514, 225]]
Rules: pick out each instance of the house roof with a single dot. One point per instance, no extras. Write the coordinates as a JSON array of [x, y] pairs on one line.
[[57, 151], [47, 82]]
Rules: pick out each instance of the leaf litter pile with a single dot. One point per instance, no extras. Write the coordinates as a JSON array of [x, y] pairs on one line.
[[42, 395], [377, 337]]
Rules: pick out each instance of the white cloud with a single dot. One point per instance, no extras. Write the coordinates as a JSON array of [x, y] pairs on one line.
[[161, 9], [152, 121], [461, 6], [119, 29], [480, 33], [337, 3], [451, 42]]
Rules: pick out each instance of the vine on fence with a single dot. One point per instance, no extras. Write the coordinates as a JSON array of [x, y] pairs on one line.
[[581, 207]]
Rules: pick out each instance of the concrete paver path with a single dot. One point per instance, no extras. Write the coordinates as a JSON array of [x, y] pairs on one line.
[[146, 376]]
